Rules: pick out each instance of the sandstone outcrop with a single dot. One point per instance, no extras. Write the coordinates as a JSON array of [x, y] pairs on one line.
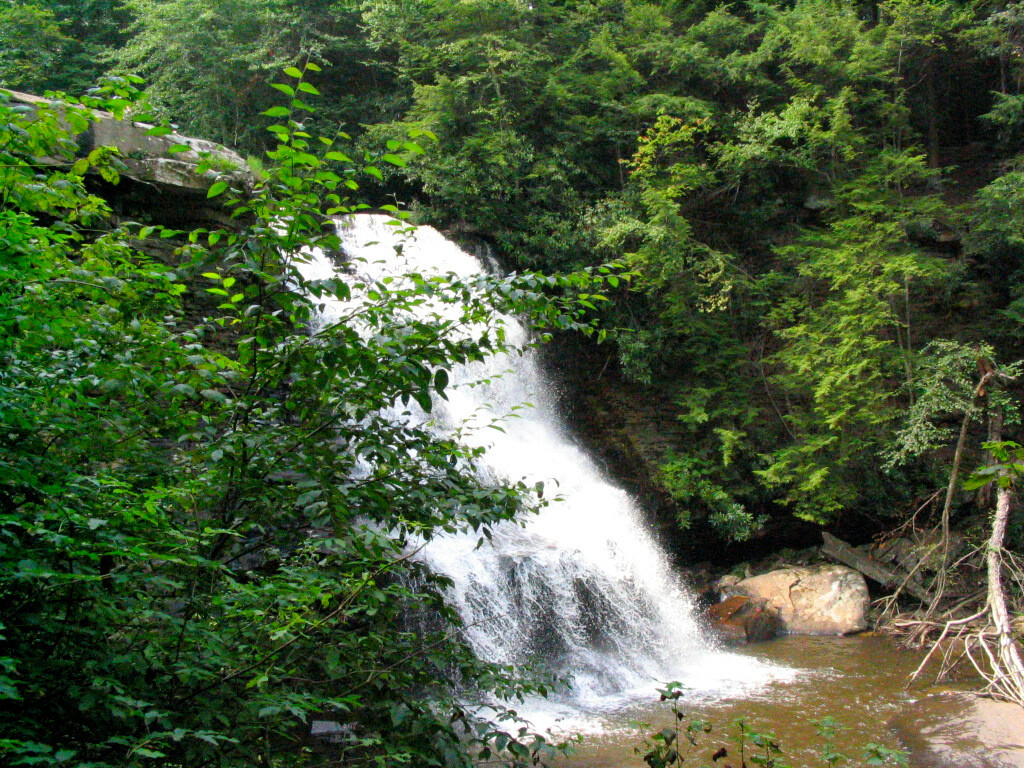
[[155, 179], [820, 600]]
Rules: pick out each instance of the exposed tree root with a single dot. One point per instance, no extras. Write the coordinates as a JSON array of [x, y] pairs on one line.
[[976, 629]]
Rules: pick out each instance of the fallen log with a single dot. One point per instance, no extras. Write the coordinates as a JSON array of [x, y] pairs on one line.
[[839, 550]]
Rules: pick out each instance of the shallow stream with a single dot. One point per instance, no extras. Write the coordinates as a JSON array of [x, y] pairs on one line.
[[859, 681]]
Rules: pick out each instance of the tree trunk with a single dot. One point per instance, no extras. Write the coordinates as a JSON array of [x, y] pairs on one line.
[[939, 585], [995, 434]]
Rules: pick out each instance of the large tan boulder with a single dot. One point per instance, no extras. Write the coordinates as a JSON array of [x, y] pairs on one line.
[[820, 600]]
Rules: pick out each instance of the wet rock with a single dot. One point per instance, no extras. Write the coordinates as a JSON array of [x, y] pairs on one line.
[[959, 730], [712, 589], [820, 600], [724, 583], [740, 618]]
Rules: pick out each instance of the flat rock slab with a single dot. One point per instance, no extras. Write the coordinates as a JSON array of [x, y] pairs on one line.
[[148, 158], [959, 730]]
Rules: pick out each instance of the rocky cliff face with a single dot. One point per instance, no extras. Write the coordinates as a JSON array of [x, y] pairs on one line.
[[628, 427]]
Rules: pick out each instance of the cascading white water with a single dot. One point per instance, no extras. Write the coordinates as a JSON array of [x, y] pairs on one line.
[[583, 586]]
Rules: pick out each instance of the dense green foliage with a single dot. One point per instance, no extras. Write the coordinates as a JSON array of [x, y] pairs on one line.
[[207, 516], [205, 519], [58, 44], [208, 64], [771, 171], [768, 170]]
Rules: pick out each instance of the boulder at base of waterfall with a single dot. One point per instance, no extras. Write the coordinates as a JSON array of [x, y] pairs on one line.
[[740, 618], [821, 600]]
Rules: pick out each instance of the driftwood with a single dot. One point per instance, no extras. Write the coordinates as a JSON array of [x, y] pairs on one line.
[[874, 570]]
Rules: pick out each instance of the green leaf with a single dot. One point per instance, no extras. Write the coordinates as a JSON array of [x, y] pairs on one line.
[[214, 395], [309, 497], [423, 399], [217, 188], [293, 72], [440, 380], [258, 681], [975, 481], [277, 112], [175, 149]]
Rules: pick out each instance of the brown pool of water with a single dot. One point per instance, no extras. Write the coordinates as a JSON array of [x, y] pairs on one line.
[[860, 681]]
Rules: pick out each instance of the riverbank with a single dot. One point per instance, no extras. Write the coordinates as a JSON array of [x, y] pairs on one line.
[[952, 729], [947, 728]]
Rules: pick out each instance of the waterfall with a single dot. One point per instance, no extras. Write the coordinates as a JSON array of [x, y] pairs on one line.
[[583, 585]]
